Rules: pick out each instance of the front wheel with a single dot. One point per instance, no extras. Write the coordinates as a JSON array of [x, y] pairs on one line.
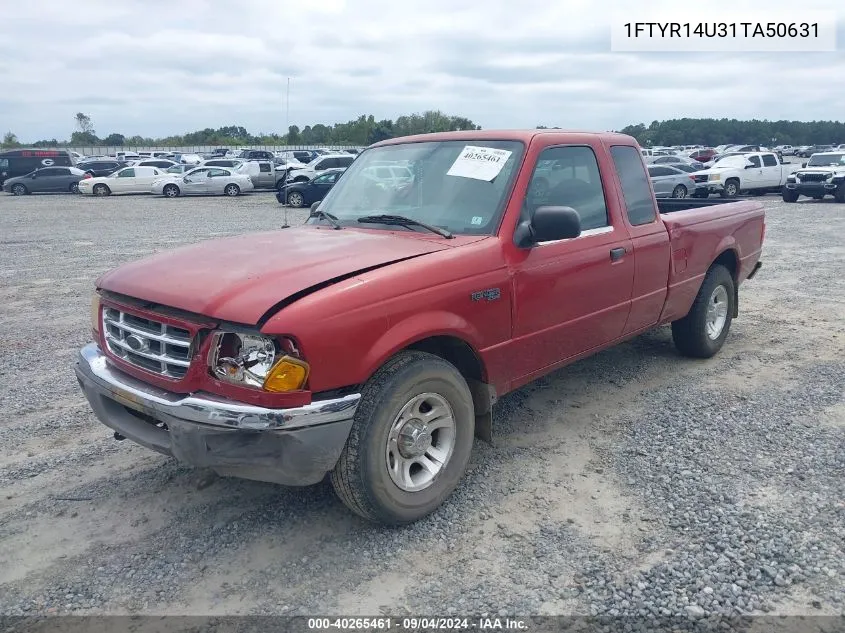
[[232, 190], [295, 199], [101, 190], [679, 192], [170, 191], [789, 195], [731, 189], [410, 440], [702, 332], [18, 190]]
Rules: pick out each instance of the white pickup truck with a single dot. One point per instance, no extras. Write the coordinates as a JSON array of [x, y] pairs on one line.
[[755, 173]]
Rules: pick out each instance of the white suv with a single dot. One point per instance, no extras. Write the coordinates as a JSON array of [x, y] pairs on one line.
[[319, 165]]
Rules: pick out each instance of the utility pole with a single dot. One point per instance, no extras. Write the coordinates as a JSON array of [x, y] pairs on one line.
[[287, 111]]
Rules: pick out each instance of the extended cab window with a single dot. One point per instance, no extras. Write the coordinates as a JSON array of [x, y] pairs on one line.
[[636, 190], [769, 160], [569, 177]]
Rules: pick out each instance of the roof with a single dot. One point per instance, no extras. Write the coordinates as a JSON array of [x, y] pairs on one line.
[[499, 135]]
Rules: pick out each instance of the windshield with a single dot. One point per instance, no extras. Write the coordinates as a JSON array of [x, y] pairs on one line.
[[460, 186], [733, 161], [819, 160]]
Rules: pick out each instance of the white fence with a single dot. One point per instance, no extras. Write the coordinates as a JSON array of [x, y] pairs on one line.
[[195, 149]]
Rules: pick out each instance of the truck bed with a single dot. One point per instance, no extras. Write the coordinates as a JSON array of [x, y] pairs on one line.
[[670, 205]]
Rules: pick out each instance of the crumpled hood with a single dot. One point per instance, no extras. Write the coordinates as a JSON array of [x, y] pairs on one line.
[[240, 278]]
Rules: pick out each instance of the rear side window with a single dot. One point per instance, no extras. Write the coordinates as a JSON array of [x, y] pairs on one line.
[[769, 160], [636, 190], [344, 161]]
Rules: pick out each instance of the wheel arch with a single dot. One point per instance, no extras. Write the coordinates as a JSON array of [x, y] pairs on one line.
[[729, 258]]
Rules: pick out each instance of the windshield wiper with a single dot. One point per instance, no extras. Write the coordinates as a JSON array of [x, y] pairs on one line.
[[402, 220], [328, 217]]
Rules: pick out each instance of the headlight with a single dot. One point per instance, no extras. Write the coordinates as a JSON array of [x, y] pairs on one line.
[[252, 360], [714, 177], [790, 178], [95, 314]]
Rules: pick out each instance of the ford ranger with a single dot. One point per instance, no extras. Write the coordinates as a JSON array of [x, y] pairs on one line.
[[370, 343], [823, 175]]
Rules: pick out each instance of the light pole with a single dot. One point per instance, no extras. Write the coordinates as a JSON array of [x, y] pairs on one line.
[[287, 113]]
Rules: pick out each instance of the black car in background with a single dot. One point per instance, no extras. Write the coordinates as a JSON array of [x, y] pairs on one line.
[[302, 194], [19, 162], [99, 168], [45, 180]]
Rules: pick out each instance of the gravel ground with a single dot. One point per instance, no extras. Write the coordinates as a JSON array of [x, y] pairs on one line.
[[632, 483]]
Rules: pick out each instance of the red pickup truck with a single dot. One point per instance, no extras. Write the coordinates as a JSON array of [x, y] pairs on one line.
[[371, 343]]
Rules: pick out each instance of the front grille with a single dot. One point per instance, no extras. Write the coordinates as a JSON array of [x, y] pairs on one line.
[[811, 177], [157, 347], [700, 178]]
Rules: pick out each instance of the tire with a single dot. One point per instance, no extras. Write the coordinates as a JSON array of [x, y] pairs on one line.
[[362, 477], [839, 194], [19, 190], [232, 190], [74, 187], [789, 195], [295, 199], [702, 332], [731, 189], [679, 192], [101, 190], [170, 191]]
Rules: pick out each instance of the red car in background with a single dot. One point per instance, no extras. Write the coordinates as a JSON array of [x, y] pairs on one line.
[[704, 155]]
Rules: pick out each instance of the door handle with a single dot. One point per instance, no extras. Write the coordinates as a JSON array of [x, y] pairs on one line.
[[617, 253]]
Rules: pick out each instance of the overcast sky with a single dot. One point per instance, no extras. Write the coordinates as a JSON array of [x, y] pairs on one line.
[[168, 67]]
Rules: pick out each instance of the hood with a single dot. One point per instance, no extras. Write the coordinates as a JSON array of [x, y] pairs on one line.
[[240, 278]]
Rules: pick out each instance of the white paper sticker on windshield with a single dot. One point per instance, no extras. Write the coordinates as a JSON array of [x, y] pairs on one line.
[[481, 163], [477, 219]]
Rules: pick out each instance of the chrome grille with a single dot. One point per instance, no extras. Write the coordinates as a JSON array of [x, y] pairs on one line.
[[813, 177], [157, 347], [700, 178]]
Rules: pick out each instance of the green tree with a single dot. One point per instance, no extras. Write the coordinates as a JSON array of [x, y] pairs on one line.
[[114, 140], [84, 123], [293, 135], [10, 140]]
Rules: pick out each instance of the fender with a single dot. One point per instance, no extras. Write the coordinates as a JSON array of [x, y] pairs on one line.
[[414, 329]]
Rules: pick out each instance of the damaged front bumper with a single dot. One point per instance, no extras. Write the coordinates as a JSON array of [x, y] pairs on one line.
[[294, 447]]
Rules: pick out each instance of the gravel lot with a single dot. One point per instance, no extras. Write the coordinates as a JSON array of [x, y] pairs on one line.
[[633, 483]]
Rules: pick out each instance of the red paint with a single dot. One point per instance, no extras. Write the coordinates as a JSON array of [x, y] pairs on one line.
[[558, 302]]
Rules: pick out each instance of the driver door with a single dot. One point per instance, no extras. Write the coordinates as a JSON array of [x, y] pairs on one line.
[[124, 180], [196, 182], [572, 295]]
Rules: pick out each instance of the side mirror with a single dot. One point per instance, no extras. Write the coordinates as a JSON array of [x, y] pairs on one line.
[[315, 206], [187, 180], [803, 165], [749, 165], [548, 224]]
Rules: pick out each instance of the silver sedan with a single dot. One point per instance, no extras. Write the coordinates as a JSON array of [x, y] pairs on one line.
[[204, 181], [670, 182]]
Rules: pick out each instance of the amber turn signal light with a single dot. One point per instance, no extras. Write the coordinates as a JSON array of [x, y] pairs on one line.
[[288, 374]]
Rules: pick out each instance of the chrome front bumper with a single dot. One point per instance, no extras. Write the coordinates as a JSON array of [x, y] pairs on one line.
[[296, 446]]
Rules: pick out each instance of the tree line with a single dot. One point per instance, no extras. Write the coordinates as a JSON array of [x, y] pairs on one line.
[[712, 132], [366, 130]]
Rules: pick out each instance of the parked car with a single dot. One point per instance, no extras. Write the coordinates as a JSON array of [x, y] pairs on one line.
[[256, 154], [161, 163], [319, 165], [823, 175], [673, 160], [190, 159], [371, 342], [179, 169], [786, 150], [100, 168], [300, 194], [262, 173], [756, 173], [44, 180], [815, 149], [687, 167], [203, 181], [19, 162], [669, 182], [228, 163], [126, 180], [703, 155], [299, 155]]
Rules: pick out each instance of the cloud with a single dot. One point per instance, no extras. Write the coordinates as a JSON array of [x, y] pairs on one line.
[[167, 67]]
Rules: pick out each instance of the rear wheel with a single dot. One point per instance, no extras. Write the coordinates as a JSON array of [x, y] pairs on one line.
[[410, 440], [19, 190], [232, 190], [74, 187], [170, 191], [702, 332], [101, 190], [679, 192], [789, 195]]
